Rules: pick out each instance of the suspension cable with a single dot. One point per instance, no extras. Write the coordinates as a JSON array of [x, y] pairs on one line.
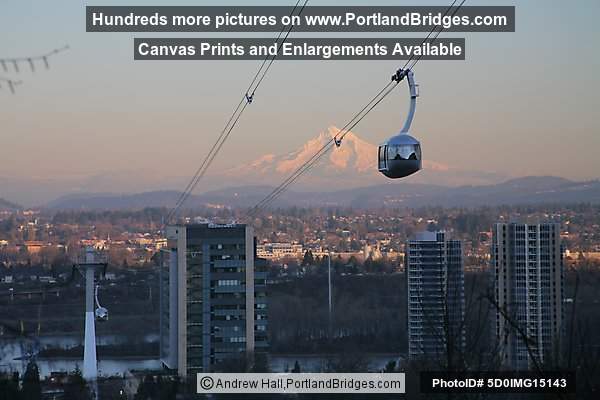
[[319, 153], [246, 100], [307, 165], [439, 31], [429, 34]]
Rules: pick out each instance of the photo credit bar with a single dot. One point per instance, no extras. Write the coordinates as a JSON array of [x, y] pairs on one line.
[[299, 383], [498, 382]]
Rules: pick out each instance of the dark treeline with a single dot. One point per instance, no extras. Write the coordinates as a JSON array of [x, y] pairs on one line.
[[369, 313], [112, 216]]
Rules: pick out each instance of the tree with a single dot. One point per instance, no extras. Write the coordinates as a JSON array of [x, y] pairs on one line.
[[168, 388], [296, 368], [147, 389], [348, 362], [32, 388], [309, 259], [76, 388], [9, 387], [390, 367], [353, 261]]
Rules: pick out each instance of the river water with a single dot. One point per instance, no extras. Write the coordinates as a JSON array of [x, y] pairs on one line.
[[15, 352]]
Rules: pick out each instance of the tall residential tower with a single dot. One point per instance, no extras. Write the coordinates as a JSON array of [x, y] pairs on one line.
[[527, 268], [212, 300], [436, 297]]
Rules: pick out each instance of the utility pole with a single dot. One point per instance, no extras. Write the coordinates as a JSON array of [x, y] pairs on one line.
[[329, 290]]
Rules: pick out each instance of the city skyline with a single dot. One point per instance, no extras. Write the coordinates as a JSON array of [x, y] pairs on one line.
[[385, 276], [335, 251]]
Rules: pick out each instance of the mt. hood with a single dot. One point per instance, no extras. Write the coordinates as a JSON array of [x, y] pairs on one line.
[[352, 164]]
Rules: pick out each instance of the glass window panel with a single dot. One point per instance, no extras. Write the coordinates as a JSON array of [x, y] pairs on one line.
[[382, 157], [404, 152]]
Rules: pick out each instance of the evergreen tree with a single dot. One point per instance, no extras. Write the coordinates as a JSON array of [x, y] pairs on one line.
[[296, 369], [309, 259], [390, 367], [32, 388]]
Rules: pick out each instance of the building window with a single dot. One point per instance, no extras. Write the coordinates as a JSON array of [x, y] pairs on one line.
[[228, 282]]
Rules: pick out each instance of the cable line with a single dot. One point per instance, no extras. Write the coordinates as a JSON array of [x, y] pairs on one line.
[[15, 61], [429, 34], [319, 153], [276, 40], [246, 100], [440, 31], [5, 63], [307, 165]]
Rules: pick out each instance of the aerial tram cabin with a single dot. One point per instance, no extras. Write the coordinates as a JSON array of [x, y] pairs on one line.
[[401, 155]]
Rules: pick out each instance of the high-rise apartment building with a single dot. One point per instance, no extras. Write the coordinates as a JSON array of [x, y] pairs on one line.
[[212, 298], [527, 272], [436, 302]]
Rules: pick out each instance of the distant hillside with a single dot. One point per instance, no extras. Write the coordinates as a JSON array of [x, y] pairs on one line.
[[6, 205], [352, 165], [528, 190], [108, 201], [234, 197]]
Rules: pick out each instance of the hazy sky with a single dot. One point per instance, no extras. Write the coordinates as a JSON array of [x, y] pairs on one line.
[[522, 103]]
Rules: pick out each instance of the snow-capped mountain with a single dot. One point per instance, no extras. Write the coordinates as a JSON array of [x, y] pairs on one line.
[[354, 155], [352, 164]]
